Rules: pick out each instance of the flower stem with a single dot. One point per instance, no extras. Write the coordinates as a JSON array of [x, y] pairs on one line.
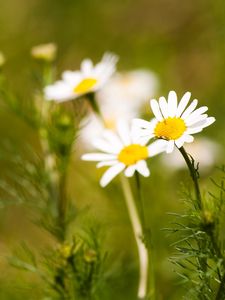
[[193, 174], [94, 105], [138, 234]]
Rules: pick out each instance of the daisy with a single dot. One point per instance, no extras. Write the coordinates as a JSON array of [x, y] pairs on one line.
[[88, 79], [174, 122], [123, 152]]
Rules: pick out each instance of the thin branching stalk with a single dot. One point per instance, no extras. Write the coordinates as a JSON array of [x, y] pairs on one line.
[[138, 233], [194, 175]]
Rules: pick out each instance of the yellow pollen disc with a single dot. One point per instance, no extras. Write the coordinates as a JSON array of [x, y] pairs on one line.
[[170, 128], [131, 154], [85, 85]]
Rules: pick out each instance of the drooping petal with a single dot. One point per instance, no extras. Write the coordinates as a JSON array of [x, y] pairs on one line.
[[142, 168], [157, 147], [179, 142], [170, 146], [129, 172], [111, 173]]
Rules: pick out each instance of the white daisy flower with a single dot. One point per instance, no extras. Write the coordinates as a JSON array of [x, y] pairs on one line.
[[89, 79], [123, 152], [174, 122]]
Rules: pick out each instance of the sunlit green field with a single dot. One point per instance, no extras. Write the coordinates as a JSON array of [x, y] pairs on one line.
[[182, 44]]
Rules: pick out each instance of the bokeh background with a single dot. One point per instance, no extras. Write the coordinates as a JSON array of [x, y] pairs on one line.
[[183, 42]]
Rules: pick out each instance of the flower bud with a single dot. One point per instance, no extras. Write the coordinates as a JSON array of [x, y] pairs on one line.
[[44, 52]]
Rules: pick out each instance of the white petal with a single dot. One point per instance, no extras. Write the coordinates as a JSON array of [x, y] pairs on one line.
[[157, 147], [129, 172], [155, 109], [72, 77], [141, 123], [142, 168], [172, 104], [189, 138], [98, 156], [196, 113], [190, 109], [113, 139], [183, 103], [170, 146], [86, 66], [59, 91], [111, 173], [164, 107], [104, 146], [107, 163], [196, 119], [194, 130], [209, 121], [203, 123], [179, 142], [124, 132]]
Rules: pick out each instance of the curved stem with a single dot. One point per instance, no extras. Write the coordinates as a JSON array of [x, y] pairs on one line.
[[138, 233], [193, 174], [94, 105]]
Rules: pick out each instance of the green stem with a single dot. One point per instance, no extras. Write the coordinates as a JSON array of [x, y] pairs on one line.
[[221, 292], [142, 214], [194, 176], [94, 105], [138, 234]]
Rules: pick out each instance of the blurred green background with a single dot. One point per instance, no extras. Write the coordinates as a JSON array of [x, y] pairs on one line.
[[183, 42]]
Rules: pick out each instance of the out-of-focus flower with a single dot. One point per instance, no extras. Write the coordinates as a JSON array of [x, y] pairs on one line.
[[128, 91], [123, 152], [121, 98], [44, 52], [89, 79], [2, 59], [205, 152], [174, 122]]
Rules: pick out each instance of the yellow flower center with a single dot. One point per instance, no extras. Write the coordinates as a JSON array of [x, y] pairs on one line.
[[170, 128], [131, 154], [85, 85]]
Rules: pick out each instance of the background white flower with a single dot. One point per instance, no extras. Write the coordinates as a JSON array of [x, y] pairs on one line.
[[204, 151], [174, 122], [122, 97], [88, 79], [123, 152]]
